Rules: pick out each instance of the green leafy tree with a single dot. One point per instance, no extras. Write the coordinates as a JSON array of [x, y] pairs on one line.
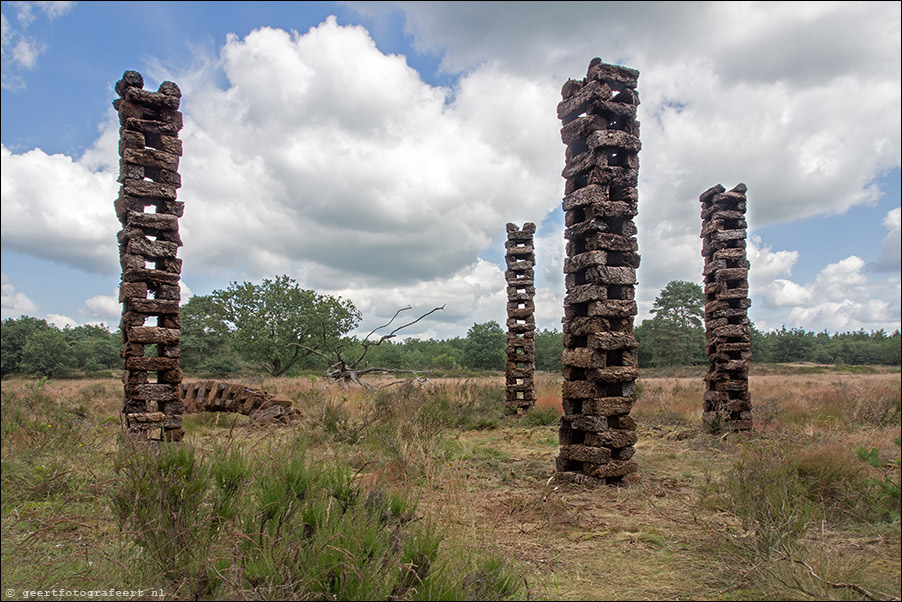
[[388, 354], [205, 343], [94, 347], [676, 335], [549, 347], [793, 345], [47, 353], [891, 349], [416, 354], [642, 333], [485, 348], [14, 334], [444, 361], [277, 325], [761, 345]]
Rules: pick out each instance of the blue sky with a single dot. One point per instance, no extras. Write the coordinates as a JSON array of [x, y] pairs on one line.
[[377, 150]]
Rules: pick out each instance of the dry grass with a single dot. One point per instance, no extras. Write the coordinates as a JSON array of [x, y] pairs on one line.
[[690, 525]]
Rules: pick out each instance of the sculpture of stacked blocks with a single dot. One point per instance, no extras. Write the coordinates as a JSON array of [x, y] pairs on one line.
[[521, 324], [597, 435], [149, 150], [728, 402]]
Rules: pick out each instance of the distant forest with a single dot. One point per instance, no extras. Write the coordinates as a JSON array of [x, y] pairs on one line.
[[278, 328], [31, 346]]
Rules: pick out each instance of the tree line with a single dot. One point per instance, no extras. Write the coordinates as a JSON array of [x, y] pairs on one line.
[[33, 346], [675, 336], [280, 329]]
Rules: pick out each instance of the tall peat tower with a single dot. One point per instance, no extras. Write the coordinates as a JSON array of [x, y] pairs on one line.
[[597, 434], [149, 150]]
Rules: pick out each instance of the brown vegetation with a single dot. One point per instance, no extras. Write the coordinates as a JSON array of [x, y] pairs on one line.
[[788, 511]]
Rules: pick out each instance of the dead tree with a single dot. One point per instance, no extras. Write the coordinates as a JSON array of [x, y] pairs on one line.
[[351, 372]]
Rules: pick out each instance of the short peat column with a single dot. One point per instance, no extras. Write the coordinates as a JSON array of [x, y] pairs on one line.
[[728, 402], [521, 323]]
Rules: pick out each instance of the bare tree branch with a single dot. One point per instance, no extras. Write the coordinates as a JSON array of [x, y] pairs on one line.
[[431, 311], [386, 325], [367, 343], [366, 340], [342, 371]]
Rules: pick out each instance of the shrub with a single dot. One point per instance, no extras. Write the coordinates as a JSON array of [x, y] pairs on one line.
[[160, 497], [764, 490], [302, 530]]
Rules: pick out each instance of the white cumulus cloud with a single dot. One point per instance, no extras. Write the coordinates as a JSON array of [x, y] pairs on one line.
[[60, 209], [891, 248], [105, 309], [768, 264], [328, 159], [317, 155], [15, 303], [768, 94], [61, 321], [332, 162], [841, 298]]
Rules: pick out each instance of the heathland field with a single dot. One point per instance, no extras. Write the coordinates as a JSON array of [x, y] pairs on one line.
[[433, 492]]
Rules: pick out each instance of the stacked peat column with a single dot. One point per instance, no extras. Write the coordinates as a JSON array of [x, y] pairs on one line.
[[521, 322], [597, 434], [728, 403], [149, 150]]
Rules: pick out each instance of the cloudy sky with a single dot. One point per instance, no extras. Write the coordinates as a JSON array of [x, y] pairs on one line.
[[376, 150]]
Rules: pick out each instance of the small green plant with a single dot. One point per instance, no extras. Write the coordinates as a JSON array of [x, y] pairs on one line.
[[38, 386], [833, 481], [230, 471], [886, 490]]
